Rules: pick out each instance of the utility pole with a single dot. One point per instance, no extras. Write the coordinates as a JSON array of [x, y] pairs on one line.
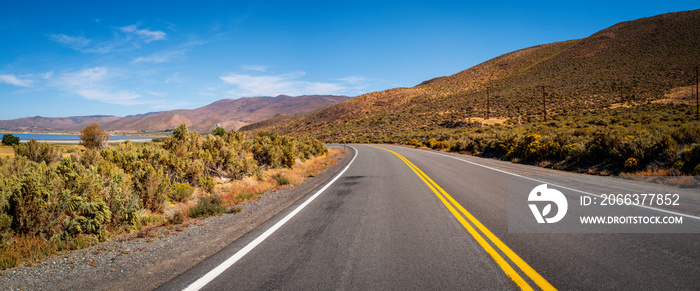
[[488, 103], [697, 97], [544, 104]]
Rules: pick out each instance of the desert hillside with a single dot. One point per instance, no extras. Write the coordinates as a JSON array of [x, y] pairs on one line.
[[628, 64]]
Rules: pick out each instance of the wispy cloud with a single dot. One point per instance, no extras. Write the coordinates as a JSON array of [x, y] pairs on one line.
[[174, 78], [16, 81], [161, 57], [127, 37], [259, 68], [92, 84], [76, 43], [145, 34], [272, 85], [353, 79], [85, 45]]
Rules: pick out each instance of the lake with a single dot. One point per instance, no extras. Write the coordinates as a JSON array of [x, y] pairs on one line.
[[24, 137]]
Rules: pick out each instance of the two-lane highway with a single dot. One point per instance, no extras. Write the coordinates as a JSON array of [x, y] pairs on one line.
[[401, 218]]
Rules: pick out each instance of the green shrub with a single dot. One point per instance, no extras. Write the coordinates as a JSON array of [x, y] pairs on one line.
[[244, 196], [281, 180], [440, 145], [218, 131], [631, 164], [207, 183], [180, 192], [206, 207], [37, 152], [153, 187], [689, 159], [414, 142], [9, 139]]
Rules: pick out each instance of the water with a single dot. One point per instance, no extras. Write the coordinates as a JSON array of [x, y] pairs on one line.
[[51, 137]]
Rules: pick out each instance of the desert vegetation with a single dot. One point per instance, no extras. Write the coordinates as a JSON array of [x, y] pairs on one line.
[[51, 202], [654, 139]]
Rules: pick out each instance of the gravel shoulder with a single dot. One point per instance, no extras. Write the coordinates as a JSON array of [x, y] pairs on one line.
[[130, 262]]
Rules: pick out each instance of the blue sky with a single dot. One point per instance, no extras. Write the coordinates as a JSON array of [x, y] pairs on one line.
[[72, 58]]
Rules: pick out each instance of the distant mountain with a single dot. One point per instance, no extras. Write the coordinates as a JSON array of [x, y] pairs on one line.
[[630, 63], [143, 114], [227, 113], [39, 123]]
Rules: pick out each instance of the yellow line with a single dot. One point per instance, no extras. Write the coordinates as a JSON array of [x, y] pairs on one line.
[[442, 195]]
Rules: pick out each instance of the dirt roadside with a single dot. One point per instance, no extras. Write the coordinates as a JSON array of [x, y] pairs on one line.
[[144, 263]]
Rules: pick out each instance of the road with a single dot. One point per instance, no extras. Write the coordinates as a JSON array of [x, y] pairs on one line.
[[406, 219]]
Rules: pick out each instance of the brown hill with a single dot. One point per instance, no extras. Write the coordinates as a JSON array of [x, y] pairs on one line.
[[629, 63], [227, 113], [39, 123]]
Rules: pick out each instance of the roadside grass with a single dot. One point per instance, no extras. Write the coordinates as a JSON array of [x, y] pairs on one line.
[[65, 150], [6, 152], [225, 198], [69, 197], [251, 188], [33, 248]]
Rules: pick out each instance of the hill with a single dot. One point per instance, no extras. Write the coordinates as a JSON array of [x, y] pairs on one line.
[[227, 113], [39, 123], [628, 64]]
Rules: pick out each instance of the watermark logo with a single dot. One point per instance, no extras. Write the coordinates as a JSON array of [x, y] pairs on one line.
[[542, 194]]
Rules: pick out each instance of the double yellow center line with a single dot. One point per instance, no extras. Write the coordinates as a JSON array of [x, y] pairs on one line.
[[462, 214]]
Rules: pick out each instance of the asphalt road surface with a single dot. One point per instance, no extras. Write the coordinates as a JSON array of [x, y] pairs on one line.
[[399, 218]]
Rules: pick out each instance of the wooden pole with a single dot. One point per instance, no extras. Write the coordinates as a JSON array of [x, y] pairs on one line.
[[544, 104], [488, 103]]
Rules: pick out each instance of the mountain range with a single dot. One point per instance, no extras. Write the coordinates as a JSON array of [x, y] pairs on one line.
[[226, 113], [628, 64]]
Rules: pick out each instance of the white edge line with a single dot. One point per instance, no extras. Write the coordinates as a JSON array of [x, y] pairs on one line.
[[208, 277], [563, 187]]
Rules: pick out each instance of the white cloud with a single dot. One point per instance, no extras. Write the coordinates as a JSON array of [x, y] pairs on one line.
[[158, 94], [151, 59], [145, 34], [259, 68], [353, 79], [93, 84], [85, 45], [161, 57], [129, 38], [272, 85], [76, 43], [14, 80], [174, 78], [119, 98]]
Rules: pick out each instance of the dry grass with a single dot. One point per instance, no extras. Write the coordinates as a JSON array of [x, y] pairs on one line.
[[665, 177], [64, 149], [32, 248], [237, 192], [490, 121], [6, 151], [679, 95], [251, 188]]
